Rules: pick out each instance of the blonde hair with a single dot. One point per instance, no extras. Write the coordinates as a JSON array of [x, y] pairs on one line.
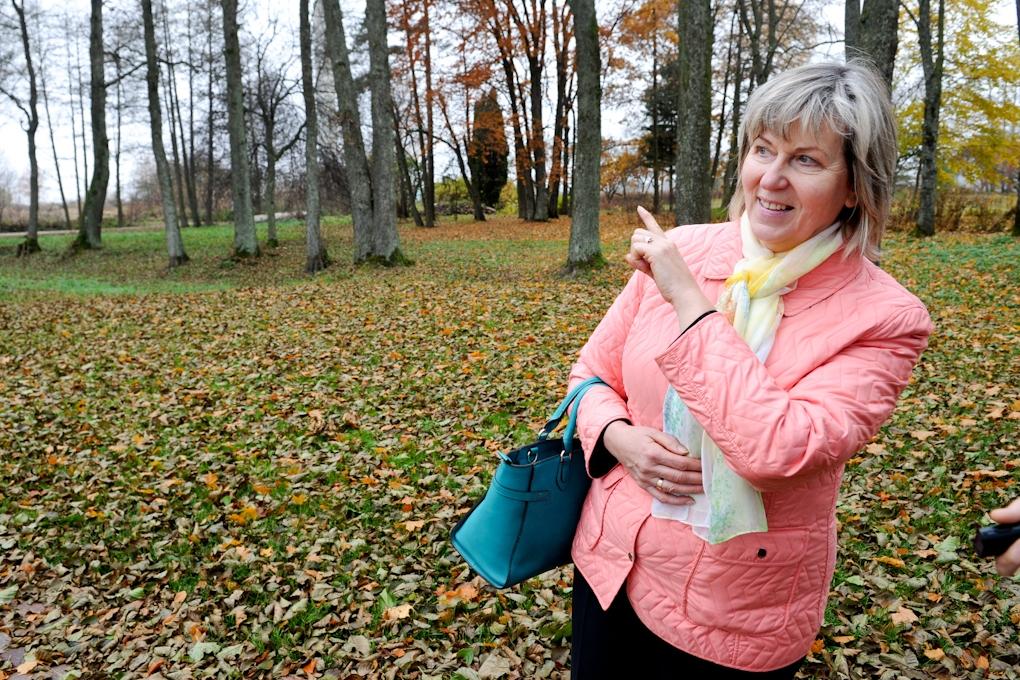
[[853, 101]]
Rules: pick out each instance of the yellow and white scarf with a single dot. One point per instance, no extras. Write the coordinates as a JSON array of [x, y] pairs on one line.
[[752, 301]]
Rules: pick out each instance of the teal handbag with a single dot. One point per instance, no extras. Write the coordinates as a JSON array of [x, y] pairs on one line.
[[525, 523]]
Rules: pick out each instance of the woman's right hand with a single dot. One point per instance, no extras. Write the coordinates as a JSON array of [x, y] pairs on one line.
[[656, 461]]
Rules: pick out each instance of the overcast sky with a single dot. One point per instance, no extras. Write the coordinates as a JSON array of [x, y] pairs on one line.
[[14, 146]]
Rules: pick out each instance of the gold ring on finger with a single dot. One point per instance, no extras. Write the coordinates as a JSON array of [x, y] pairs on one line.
[[658, 484]]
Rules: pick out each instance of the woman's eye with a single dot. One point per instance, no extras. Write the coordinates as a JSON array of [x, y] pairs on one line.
[[807, 160], [762, 151]]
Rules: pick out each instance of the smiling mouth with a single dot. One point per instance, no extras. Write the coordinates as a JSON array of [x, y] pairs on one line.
[[769, 205]]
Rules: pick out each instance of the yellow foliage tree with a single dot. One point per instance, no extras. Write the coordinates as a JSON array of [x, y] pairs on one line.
[[979, 141]]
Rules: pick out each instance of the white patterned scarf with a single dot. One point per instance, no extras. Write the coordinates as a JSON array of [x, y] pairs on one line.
[[752, 301]]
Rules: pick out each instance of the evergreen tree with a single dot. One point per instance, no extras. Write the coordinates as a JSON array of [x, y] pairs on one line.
[[488, 151], [658, 144]]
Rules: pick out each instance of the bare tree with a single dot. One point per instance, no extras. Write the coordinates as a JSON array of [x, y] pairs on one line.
[[562, 33], [177, 149], [29, 109], [271, 92], [418, 47], [210, 62], [316, 257], [174, 243], [584, 249], [245, 240], [68, 33]]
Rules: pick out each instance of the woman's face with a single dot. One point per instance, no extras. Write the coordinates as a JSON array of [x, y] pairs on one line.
[[794, 187]]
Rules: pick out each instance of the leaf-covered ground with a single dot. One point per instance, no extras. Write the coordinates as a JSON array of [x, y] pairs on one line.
[[235, 471]]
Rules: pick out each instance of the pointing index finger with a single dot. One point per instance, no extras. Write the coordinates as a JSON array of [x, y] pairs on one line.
[[649, 222]]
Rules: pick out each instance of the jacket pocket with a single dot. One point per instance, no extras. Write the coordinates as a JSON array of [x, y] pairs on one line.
[[601, 491], [746, 585]]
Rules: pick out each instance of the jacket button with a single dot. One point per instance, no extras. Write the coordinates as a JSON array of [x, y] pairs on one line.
[[630, 556]]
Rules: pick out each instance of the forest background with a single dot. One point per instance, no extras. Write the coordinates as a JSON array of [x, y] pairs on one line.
[[280, 282]]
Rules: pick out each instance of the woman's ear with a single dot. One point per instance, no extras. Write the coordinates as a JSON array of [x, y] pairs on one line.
[[851, 200]]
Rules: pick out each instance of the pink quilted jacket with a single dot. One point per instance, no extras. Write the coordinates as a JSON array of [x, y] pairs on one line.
[[843, 352]]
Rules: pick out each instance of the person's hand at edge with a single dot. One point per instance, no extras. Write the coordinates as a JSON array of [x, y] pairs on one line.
[[1008, 563]]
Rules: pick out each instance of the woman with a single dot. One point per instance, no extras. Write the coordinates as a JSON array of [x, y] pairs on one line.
[[796, 371]]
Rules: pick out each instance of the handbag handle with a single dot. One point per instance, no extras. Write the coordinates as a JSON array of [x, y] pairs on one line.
[[557, 417]]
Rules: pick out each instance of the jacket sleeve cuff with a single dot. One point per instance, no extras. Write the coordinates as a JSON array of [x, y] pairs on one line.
[[601, 461]]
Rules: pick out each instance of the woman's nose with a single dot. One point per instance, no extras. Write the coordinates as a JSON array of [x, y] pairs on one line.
[[774, 176]]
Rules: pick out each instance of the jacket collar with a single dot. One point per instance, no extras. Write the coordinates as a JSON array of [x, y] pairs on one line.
[[815, 286]]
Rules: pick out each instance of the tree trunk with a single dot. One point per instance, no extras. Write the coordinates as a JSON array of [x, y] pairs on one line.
[[53, 146], [176, 125], [182, 210], [385, 242], [409, 187], [74, 127], [537, 140], [355, 160], [316, 257], [727, 72], [656, 197], [188, 150], [174, 243], [429, 188], [31, 112], [116, 154], [561, 39], [270, 198], [932, 57], [422, 124], [525, 187], [851, 28], [872, 34], [584, 249], [1016, 213], [245, 239], [90, 235], [81, 114], [568, 174], [694, 114], [730, 173], [209, 163]]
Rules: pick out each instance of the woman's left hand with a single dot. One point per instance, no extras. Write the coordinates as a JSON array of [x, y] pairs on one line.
[[652, 253]]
